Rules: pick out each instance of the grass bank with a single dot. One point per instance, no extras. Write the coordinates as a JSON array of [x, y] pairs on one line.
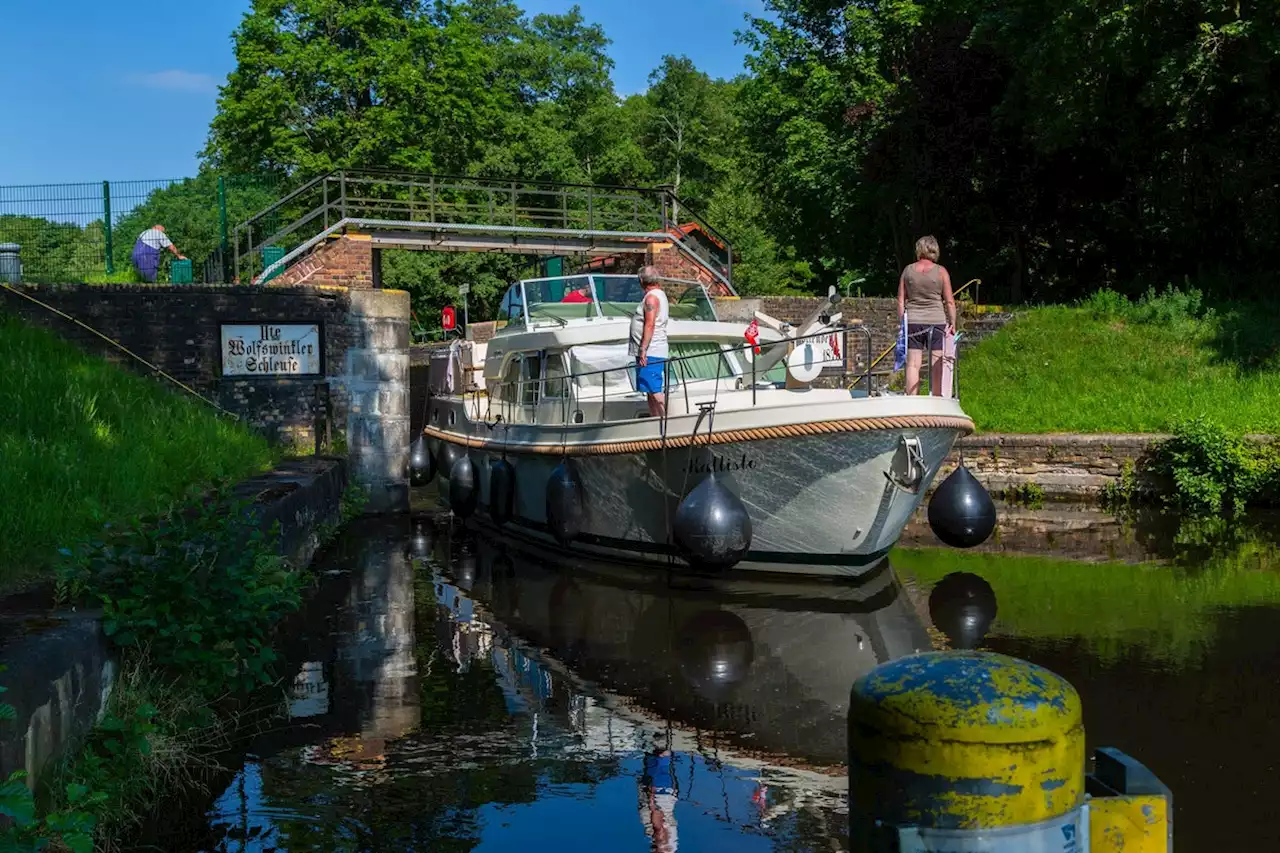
[[85, 442], [1112, 365]]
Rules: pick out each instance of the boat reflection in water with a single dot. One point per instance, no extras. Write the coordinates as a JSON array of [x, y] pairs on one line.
[[472, 694], [769, 664], [744, 672]]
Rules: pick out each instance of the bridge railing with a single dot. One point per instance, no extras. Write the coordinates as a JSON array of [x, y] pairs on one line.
[[533, 206]]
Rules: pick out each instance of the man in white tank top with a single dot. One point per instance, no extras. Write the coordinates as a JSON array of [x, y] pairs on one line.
[[649, 341]]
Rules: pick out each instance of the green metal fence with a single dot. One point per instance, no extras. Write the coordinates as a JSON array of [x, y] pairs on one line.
[[86, 232]]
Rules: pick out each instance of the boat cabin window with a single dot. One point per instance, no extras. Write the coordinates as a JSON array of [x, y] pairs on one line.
[[701, 360], [556, 384], [530, 379], [507, 389]]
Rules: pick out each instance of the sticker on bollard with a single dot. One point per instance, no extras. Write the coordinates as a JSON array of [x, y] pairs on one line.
[[1066, 834]]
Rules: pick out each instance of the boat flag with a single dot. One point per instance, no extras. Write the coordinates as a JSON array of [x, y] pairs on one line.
[[752, 334], [835, 345]]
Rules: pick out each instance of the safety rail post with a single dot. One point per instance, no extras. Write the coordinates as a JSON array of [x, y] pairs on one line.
[[342, 192], [106, 226], [222, 215]]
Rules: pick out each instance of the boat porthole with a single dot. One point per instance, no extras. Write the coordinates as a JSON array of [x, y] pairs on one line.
[[453, 418], [435, 416]]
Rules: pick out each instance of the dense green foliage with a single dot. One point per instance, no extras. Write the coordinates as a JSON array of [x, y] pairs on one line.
[[85, 442], [1112, 365], [1053, 145], [1212, 470], [478, 88], [199, 590]]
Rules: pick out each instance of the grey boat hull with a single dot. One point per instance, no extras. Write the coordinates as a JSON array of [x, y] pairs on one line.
[[828, 504]]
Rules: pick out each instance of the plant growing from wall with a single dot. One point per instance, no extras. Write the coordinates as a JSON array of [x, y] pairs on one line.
[[199, 589], [1212, 469]]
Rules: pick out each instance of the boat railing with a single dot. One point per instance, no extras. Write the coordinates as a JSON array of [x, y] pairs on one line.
[[573, 402]]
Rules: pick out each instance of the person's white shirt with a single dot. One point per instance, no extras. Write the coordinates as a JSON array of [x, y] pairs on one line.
[[657, 343], [155, 238]]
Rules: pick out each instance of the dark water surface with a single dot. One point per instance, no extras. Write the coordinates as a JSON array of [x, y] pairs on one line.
[[453, 693]]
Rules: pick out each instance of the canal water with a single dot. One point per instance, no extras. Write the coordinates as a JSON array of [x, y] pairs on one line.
[[452, 693]]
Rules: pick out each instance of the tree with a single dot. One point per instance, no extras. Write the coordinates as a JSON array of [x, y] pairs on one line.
[[686, 128]]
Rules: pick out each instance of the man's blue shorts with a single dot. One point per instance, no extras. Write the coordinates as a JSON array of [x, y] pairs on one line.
[[649, 378]]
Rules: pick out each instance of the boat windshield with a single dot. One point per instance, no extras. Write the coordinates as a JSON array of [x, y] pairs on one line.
[[561, 299], [619, 296], [541, 301]]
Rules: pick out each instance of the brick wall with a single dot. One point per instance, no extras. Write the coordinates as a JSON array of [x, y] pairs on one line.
[[365, 349], [345, 261], [879, 315]]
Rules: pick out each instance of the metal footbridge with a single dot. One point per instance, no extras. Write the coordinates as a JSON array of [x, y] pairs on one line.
[[443, 213]]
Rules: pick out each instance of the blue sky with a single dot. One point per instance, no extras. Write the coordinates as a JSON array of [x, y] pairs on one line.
[[125, 90]]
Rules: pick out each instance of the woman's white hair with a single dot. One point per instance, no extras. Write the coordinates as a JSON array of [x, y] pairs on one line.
[[927, 247]]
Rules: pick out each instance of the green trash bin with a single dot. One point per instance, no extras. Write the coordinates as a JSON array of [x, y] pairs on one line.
[[180, 271], [271, 254]]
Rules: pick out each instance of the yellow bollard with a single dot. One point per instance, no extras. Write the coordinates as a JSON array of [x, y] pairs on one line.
[[966, 751]]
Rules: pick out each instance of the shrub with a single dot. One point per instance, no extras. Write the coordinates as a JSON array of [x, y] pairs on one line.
[[199, 589], [1171, 307], [1212, 470], [1107, 304]]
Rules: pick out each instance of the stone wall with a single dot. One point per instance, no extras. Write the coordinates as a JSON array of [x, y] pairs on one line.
[[362, 396], [1063, 466]]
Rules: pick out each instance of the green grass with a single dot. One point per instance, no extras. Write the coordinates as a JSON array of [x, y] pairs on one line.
[[84, 442], [1061, 369], [1167, 612]]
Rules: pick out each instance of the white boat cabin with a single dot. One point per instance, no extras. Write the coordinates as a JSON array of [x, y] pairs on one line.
[[560, 354]]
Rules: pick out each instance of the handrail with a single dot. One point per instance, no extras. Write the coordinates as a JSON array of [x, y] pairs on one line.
[[894, 346], [480, 199], [649, 236], [724, 350]]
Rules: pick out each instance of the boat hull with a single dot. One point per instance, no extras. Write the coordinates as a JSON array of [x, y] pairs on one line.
[[823, 504]]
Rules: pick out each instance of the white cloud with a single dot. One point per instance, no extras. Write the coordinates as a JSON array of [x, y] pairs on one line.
[[176, 80]]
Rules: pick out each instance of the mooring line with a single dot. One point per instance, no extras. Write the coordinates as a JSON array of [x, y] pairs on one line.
[[120, 347]]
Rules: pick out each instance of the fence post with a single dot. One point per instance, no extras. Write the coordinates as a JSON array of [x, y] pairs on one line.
[[106, 225], [222, 214]]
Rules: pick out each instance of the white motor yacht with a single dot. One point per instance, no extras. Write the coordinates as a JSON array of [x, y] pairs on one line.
[[827, 476]]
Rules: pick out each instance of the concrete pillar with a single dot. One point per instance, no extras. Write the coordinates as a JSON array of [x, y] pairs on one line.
[[376, 377]]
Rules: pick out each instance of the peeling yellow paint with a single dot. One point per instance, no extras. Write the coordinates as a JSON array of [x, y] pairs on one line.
[[1129, 824]]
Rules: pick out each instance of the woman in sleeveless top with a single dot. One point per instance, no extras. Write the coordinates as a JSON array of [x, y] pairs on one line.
[[924, 295]]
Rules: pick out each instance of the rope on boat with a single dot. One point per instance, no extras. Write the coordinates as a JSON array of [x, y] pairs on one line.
[[608, 448]]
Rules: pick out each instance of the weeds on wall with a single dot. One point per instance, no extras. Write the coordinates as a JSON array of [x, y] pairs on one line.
[[199, 589], [1212, 470]]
